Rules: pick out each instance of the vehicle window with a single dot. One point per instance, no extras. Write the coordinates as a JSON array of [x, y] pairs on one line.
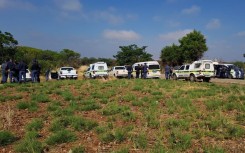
[[120, 68], [182, 67], [187, 67], [207, 66], [93, 67], [67, 68], [154, 67], [197, 65], [88, 69], [100, 67]]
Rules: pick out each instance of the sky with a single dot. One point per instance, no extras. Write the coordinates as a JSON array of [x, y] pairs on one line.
[[96, 28]]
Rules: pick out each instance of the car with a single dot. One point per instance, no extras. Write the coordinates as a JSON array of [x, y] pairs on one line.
[[153, 69], [95, 70], [198, 70], [67, 73], [118, 71], [230, 71]]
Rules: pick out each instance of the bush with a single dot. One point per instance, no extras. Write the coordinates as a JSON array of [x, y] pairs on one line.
[[30, 144], [62, 136], [6, 138], [35, 125]]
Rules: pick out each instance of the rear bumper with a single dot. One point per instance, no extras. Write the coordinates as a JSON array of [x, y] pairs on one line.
[[68, 76]]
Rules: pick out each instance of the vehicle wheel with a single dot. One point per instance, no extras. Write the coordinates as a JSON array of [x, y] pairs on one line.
[[90, 76], [192, 78], [206, 79], [175, 77]]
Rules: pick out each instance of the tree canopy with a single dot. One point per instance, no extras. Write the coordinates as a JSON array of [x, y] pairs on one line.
[[191, 48], [131, 54], [7, 46]]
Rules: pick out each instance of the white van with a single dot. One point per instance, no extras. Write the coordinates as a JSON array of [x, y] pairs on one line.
[[153, 69], [98, 69]]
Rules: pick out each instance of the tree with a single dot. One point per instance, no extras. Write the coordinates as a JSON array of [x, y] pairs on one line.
[[172, 54], [7, 45], [70, 57], [132, 54], [193, 46]]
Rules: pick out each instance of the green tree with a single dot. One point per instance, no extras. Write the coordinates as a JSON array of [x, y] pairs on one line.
[[70, 58], [7, 46], [172, 55], [193, 46], [132, 54]]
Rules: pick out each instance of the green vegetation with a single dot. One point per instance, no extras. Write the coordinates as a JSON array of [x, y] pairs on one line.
[[6, 138], [147, 115]]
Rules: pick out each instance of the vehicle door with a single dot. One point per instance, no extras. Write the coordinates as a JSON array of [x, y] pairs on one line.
[[87, 73], [186, 72], [180, 72]]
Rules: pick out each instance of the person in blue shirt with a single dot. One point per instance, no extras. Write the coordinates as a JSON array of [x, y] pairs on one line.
[[145, 71], [4, 72], [167, 71], [130, 70], [22, 71]]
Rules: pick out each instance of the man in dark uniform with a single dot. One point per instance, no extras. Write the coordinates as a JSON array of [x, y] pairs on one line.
[[4, 72], [10, 67], [34, 71], [145, 70], [167, 72], [22, 71], [130, 70], [137, 68]]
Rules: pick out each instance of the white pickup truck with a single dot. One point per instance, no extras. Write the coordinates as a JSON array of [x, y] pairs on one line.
[[67, 73], [118, 71]]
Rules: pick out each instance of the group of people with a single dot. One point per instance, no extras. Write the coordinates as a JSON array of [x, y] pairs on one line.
[[16, 71], [141, 71]]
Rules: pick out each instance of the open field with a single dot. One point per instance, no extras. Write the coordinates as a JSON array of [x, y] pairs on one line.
[[120, 116]]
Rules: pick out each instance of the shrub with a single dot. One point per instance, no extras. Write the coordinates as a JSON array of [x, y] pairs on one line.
[[35, 125], [6, 138], [42, 98], [79, 149], [31, 106], [30, 144], [140, 141], [62, 136]]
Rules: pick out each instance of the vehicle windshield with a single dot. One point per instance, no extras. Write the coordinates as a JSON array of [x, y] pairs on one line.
[[154, 67], [120, 68], [67, 68]]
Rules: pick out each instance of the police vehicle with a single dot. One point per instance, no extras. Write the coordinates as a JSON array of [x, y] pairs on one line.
[[95, 70], [153, 69], [198, 70], [230, 71]]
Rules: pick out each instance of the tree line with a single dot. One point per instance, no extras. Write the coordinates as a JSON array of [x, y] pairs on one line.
[[191, 47]]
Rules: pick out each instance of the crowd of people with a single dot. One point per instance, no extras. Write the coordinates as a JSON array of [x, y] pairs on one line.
[[141, 71], [16, 71]]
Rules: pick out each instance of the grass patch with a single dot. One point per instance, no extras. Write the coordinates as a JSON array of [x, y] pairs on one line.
[[62, 136], [6, 138], [41, 98], [31, 106], [35, 125]]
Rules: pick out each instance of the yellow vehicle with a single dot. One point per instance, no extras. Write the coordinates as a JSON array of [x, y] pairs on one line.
[[153, 69]]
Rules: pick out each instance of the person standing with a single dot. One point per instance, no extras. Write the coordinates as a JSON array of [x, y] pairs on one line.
[[167, 71], [34, 71], [11, 67], [4, 72], [145, 70], [130, 70], [22, 71], [47, 74], [137, 68]]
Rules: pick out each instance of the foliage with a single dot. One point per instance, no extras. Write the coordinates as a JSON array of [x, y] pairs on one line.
[[30, 143], [172, 54], [6, 138], [132, 54], [62, 136], [7, 46], [191, 48]]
